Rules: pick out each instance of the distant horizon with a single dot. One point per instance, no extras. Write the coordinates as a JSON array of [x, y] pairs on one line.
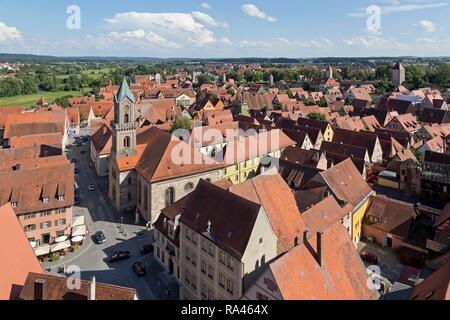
[[214, 29], [224, 57]]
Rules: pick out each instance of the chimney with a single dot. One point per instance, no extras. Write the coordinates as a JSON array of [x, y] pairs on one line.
[[320, 248], [91, 292], [39, 289]]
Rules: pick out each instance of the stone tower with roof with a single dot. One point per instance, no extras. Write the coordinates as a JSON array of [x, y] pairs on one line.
[[398, 74], [124, 125], [329, 72]]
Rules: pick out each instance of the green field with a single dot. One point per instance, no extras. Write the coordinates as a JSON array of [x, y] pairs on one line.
[[91, 73], [31, 99]]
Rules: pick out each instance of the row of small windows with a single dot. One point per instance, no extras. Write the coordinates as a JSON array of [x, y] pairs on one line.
[[44, 214], [44, 225]]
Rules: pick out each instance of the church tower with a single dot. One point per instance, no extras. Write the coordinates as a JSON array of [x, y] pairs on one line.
[[124, 125], [329, 72]]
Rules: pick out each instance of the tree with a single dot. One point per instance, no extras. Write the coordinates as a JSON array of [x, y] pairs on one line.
[[316, 116], [181, 123], [63, 101]]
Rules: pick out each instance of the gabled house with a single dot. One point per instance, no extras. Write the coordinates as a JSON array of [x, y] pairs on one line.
[[361, 139], [325, 267]]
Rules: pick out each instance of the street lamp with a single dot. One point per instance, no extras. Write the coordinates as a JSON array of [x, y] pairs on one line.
[[121, 224]]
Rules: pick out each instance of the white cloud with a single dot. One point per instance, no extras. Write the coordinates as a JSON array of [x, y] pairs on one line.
[[206, 19], [427, 26], [375, 42], [178, 27], [206, 5], [253, 11], [226, 41], [9, 33]]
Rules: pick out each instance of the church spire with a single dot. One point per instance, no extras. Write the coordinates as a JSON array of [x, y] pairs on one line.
[[124, 91]]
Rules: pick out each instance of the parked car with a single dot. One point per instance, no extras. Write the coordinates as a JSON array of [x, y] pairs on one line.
[[100, 237], [83, 152], [73, 161], [119, 256], [91, 187], [77, 171], [139, 268], [148, 248], [369, 257]]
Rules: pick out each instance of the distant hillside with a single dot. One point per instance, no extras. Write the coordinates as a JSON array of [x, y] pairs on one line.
[[326, 60]]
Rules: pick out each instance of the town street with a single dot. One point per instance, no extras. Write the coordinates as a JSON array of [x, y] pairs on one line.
[[100, 216]]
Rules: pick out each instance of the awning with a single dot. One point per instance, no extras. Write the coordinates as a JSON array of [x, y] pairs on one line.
[[78, 221], [61, 239], [77, 239], [60, 246], [78, 231], [42, 251]]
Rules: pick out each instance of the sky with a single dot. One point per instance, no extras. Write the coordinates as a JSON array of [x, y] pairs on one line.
[[226, 29]]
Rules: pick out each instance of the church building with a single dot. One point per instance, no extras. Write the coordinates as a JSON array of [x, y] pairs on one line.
[[143, 176]]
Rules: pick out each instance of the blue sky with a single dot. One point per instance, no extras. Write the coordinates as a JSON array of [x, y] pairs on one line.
[[204, 29]]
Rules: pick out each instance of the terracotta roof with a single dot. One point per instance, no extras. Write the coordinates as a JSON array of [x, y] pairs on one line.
[[28, 181], [341, 275], [20, 259], [322, 125], [297, 155], [154, 159], [358, 139], [232, 217], [275, 196], [347, 183], [431, 115], [344, 149], [55, 288], [34, 123], [102, 140], [325, 214], [435, 287], [389, 215], [47, 139], [73, 115], [250, 147]]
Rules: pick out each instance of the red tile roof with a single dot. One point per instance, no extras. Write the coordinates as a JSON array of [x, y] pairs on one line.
[[340, 276], [55, 288], [347, 183], [435, 287], [19, 258], [275, 196]]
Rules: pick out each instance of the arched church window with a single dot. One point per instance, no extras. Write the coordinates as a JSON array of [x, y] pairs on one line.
[[126, 118]]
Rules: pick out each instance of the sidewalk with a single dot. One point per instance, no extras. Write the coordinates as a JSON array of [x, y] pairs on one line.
[[159, 281]]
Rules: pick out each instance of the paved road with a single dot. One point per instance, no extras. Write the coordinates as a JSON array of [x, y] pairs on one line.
[[100, 216]]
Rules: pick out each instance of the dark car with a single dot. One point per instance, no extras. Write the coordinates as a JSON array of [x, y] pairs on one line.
[[77, 171], [119, 256], [139, 268], [100, 237], [369, 257], [147, 249], [73, 161], [83, 152]]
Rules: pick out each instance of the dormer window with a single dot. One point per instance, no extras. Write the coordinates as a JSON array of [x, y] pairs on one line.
[[61, 198], [14, 204], [45, 199]]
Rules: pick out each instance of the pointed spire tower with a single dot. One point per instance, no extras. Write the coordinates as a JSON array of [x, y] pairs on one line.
[[124, 125]]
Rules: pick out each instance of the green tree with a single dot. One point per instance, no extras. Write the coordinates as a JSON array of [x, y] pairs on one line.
[[316, 116], [181, 123]]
